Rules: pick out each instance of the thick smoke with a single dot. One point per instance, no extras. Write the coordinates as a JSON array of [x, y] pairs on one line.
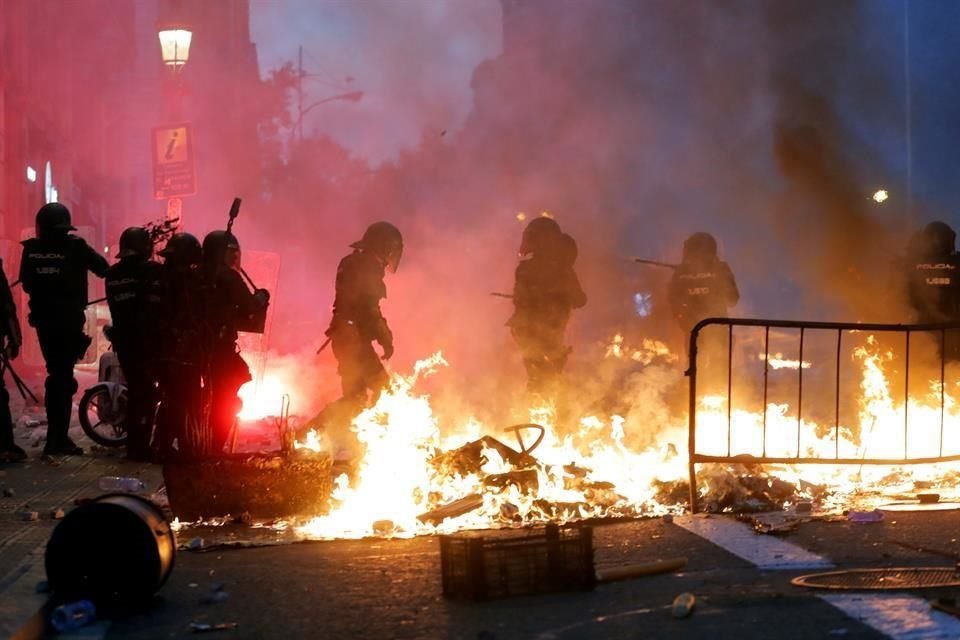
[[634, 124]]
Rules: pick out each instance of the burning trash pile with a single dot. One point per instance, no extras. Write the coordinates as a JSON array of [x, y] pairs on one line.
[[420, 474], [412, 481]]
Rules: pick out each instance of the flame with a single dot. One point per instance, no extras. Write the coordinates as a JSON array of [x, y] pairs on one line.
[[649, 351], [777, 361], [261, 398], [880, 196], [605, 466]]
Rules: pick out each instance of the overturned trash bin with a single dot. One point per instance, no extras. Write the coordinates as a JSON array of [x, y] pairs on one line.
[[117, 550]]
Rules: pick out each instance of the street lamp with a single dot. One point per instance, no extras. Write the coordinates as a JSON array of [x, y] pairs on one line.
[[175, 46], [353, 96]]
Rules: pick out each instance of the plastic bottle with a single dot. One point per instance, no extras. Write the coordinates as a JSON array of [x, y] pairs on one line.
[[71, 616], [114, 483]]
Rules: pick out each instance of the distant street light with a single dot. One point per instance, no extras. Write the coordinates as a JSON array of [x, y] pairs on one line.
[[352, 96], [880, 196], [175, 46]]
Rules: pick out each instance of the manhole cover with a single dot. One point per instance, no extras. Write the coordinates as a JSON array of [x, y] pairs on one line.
[[916, 506], [899, 578]]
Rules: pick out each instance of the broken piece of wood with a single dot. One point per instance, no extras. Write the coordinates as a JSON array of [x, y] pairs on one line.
[[630, 571]]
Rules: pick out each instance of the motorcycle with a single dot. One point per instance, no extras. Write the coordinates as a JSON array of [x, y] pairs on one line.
[[103, 407]]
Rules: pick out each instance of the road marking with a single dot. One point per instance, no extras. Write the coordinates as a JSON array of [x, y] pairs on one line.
[[897, 616], [765, 552]]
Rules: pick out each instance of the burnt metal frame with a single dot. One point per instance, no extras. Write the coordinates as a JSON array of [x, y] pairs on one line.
[[840, 328]]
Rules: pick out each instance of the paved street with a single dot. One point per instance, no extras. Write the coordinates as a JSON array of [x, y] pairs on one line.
[[391, 588]]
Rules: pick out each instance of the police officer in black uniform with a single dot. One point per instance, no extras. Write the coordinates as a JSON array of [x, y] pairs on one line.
[[933, 283], [357, 320], [134, 291], [232, 308], [546, 290], [702, 285], [53, 272], [10, 341], [183, 341]]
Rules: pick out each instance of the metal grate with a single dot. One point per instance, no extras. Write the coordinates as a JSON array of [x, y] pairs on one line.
[[889, 579], [948, 333]]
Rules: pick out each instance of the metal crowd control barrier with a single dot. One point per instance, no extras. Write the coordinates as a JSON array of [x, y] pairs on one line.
[[840, 328]]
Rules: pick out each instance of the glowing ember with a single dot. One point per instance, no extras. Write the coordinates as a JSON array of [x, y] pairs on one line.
[[777, 361]]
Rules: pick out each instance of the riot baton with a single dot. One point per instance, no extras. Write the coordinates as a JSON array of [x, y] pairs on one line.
[[234, 212], [654, 263]]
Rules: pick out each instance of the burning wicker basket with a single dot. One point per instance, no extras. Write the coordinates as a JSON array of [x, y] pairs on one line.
[[489, 565], [271, 485]]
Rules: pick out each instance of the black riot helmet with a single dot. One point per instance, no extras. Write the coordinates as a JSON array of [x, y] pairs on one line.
[[52, 219], [539, 235], [384, 241], [700, 246], [183, 249], [940, 238], [220, 248], [135, 242]]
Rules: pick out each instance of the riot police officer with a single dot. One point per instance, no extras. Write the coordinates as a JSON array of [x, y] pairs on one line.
[[134, 290], [53, 272], [546, 291], [10, 341], [232, 308], [183, 341], [933, 282], [702, 285], [357, 320]]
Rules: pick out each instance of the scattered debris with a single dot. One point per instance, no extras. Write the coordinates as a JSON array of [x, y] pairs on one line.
[[803, 507], [683, 605], [928, 498], [630, 571], [29, 516], [383, 527], [453, 509], [56, 514], [195, 543], [68, 617], [750, 491], [777, 523], [865, 517], [196, 627], [217, 593]]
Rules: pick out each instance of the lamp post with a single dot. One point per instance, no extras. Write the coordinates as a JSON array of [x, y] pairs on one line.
[[352, 96], [173, 145]]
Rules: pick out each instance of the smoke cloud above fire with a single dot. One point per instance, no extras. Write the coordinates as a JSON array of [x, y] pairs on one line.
[[768, 124]]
